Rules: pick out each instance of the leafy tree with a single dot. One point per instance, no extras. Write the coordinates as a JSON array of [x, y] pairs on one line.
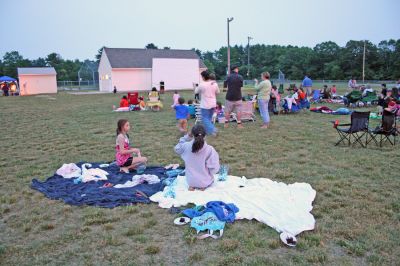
[[40, 62], [326, 60], [98, 55], [11, 61], [151, 46], [54, 60]]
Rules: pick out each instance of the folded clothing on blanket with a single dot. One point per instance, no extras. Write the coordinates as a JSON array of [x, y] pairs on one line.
[[139, 179], [286, 208], [224, 212], [95, 193]]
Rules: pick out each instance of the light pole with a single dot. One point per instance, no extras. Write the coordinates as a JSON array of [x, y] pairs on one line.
[[229, 48], [363, 66], [248, 55]]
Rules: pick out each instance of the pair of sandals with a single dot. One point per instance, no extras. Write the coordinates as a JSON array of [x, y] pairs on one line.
[[172, 166]]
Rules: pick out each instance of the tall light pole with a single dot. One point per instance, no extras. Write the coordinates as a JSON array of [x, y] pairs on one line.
[[229, 48], [248, 55], [363, 70]]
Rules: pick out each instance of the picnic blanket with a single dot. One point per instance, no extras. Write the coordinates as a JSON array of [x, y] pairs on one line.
[[93, 193], [286, 208]]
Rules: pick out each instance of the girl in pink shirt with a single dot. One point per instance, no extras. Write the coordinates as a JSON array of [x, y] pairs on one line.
[[123, 151], [333, 90], [175, 99]]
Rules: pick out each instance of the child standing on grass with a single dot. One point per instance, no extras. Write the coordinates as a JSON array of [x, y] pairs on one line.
[[182, 115], [201, 159], [123, 151], [333, 90], [175, 98], [192, 109]]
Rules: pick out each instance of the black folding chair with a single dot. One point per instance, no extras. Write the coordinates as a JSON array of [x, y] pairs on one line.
[[387, 130], [358, 128]]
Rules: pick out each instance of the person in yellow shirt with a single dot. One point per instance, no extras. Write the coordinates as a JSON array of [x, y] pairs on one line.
[[263, 94]]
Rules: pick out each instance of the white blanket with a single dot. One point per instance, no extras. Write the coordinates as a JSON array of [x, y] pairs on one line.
[[286, 208]]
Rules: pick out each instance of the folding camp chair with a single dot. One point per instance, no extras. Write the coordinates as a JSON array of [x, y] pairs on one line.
[[154, 102], [358, 128], [387, 130], [247, 112], [370, 98], [353, 97], [316, 96], [133, 98], [197, 113]]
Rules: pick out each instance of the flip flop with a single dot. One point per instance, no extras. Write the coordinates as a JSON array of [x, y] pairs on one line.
[[288, 239], [182, 220], [141, 194], [107, 185]]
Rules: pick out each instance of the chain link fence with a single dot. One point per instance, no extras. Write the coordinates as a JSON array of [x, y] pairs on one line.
[[74, 85]]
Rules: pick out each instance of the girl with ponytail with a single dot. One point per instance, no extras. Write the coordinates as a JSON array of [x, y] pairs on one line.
[[201, 159]]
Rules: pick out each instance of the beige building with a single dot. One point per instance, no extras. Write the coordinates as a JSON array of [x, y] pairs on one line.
[[37, 80]]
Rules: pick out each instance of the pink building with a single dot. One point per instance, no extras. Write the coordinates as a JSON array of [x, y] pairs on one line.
[[37, 80], [141, 69]]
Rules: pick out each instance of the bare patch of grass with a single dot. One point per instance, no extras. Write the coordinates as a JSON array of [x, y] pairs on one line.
[[196, 257], [152, 250], [134, 231], [47, 226]]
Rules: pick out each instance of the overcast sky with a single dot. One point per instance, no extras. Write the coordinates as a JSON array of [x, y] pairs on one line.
[[78, 28]]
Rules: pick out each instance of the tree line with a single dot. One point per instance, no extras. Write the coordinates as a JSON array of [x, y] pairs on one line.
[[327, 60]]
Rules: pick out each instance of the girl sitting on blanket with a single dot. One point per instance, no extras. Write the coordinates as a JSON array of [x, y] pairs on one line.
[[123, 152], [201, 159]]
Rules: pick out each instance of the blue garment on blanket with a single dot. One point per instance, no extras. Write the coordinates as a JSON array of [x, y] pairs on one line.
[[92, 193], [224, 212], [342, 111]]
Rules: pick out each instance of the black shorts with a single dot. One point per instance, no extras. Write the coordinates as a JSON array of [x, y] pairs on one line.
[[128, 162]]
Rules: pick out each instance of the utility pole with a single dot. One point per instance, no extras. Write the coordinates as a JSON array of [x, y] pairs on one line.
[[229, 48], [248, 55], [363, 70]]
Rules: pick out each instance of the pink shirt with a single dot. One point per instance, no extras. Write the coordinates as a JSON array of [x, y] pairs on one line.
[[208, 91], [175, 98], [121, 158], [277, 95]]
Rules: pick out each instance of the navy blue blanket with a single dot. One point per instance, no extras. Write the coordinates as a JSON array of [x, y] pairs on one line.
[[92, 193]]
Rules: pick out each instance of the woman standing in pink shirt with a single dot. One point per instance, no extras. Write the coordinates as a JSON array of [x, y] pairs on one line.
[[208, 91]]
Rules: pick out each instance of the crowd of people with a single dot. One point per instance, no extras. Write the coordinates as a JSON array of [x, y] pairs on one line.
[[201, 159], [8, 89]]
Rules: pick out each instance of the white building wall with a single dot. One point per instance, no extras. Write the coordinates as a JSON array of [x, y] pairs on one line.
[[105, 83], [131, 79]]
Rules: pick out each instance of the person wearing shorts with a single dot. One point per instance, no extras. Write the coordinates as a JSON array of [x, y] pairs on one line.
[[234, 83]]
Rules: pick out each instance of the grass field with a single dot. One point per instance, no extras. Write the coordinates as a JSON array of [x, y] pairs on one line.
[[357, 207]]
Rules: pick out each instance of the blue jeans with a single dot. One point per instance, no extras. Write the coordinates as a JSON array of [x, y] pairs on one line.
[[263, 107], [206, 116]]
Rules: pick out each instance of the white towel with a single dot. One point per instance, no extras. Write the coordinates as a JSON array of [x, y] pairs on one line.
[[286, 208]]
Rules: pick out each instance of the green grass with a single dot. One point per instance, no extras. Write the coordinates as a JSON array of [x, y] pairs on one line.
[[357, 206]]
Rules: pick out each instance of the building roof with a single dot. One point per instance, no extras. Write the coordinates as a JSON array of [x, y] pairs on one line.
[[143, 58], [36, 71]]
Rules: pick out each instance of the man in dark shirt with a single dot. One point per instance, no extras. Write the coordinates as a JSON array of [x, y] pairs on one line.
[[234, 83]]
